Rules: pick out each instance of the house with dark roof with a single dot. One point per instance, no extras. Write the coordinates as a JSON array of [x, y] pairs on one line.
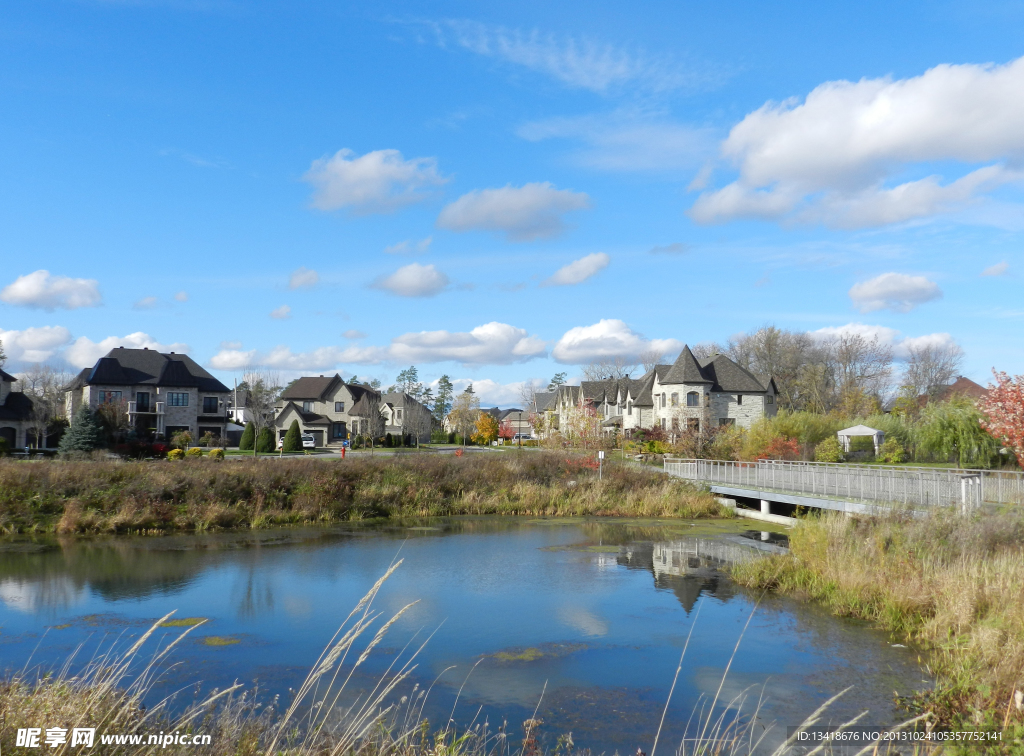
[[406, 416], [162, 394], [688, 394], [15, 413]]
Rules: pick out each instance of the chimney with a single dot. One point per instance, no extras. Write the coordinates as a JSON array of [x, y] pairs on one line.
[[172, 352]]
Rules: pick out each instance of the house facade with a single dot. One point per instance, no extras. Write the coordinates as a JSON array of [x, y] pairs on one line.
[[327, 408], [689, 394], [162, 394], [15, 413], [405, 416]]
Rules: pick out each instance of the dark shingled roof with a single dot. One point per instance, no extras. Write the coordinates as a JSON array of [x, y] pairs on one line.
[[309, 418], [16, 406], [7, 377], [544, 400], [135, 367], [685, 370], [309, 388], [729, 377]]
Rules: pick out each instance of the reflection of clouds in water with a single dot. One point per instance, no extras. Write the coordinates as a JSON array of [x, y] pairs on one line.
[[583, 620], [33, 597]]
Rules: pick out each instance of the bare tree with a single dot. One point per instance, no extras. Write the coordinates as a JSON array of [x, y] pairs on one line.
[[861, 365], [264, 387], [45, 386], [465, 411], [932, 366], [651, 357], [609, 368], [706, 349]]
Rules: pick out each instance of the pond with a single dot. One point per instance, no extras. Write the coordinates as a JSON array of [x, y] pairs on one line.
[[581, 620]]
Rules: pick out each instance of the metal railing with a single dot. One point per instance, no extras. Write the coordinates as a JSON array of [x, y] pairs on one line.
[[917, 486]]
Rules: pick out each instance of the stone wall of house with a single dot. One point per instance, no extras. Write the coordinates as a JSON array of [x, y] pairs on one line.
[[744, 414]]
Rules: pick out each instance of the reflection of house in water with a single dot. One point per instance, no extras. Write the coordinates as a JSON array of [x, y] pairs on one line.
[[692, 566]]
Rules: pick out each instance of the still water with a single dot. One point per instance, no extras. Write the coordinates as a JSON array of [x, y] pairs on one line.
[[596, 609]]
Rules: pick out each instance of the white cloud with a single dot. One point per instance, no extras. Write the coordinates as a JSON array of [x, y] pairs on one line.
[[579, 271], [409, 246], [283, 358], [84, 352], [46, 292], [578, 62], [413, 280], [491, 393], [489, 344], [607, 339], [281, 313], [999, 269], [303, 278], [532, 211], [352, 333], [888, 336], [676, 248], [232, 358], [37, 344], [626, 141], [377, 182], [893, 291], [839, 157], [181, 296], [146, 303], [231, 345]]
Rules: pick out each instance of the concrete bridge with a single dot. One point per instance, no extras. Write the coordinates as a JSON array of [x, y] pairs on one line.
[[861, 489]]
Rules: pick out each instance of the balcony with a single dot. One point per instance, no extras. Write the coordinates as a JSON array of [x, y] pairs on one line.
[[151, 408]]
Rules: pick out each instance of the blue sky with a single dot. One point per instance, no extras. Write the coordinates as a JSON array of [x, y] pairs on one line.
[[501, 191]]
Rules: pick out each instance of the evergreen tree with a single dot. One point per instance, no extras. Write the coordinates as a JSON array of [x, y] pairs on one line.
[[557, 381], [293, 438], [84, 434], [443, 402], [265, 441], [248, 438]]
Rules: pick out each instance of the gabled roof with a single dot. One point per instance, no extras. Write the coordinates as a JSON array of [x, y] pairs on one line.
[[309, 387], [685, 370], [368, 400], [643, 396], [7, 377], [544, 400], [138, 367], [729, 377], [309, 418], [960, 387], [16, 406]]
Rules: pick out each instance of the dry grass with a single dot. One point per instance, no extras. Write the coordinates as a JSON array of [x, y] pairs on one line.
[[951, 585], [199, 495]]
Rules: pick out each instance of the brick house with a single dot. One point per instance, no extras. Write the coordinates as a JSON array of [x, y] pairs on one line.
[[161, 393]]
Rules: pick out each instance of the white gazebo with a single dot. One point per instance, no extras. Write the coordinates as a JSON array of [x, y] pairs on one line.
[[861, 430]]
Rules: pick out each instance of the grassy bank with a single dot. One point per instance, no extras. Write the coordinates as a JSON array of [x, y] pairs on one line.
[[950, 585], [198, 495]]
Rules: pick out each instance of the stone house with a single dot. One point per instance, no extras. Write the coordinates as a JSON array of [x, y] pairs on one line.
[[162, 394], [15, 413], [405, 416], [326, 407]]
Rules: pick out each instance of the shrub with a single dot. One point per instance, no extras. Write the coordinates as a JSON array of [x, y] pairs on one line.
[[248, 439], [953, 430], [451, 437], [781, 448], [84, 434], [293, 438], [388, 441], [216, 454], [828, 450], [5, 448], [265, 441], [892, 452], [181, 440], [175, 454], [438, 437], [195, 451]]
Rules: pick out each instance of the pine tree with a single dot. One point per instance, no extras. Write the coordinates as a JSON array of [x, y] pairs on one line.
[[84, 434], [293, 438], [265, 441], [248, 438]]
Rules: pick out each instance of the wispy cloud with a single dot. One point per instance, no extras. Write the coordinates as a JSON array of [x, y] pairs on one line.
[[523, 213], [893, 291], [999, 269], [409, 247], [579, 271], [413, 280]]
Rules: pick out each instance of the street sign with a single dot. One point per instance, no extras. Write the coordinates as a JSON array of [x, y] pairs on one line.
[[600, 455]]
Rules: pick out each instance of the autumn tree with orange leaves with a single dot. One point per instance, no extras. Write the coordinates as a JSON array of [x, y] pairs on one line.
[[1004, 412]]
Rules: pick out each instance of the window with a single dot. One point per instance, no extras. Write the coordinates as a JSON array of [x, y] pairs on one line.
[[662, 400], [693, 399], [739, 398], [722, 421], [142, 401], [398, 417], [307, 406], [663, 422], [110, 397], [675, 400], [209, 405], [339, 406], [629, 408], [338, 429], [771, 399], [177, 398]]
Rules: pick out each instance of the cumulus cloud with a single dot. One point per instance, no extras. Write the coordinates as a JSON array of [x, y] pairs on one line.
[[578, 62], [607, 339], [47, 292], [146, 303], [181, 296], [532, 211], [281, 313], [84, 352], [626, 142], [676, 248], [999, 269], [491, 393], [377, 182], [303, 278], [37, 344], [413, 280], [888, 336], [893, 291], [409, 247], [489, 344], [839, 157], [579, 271]]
